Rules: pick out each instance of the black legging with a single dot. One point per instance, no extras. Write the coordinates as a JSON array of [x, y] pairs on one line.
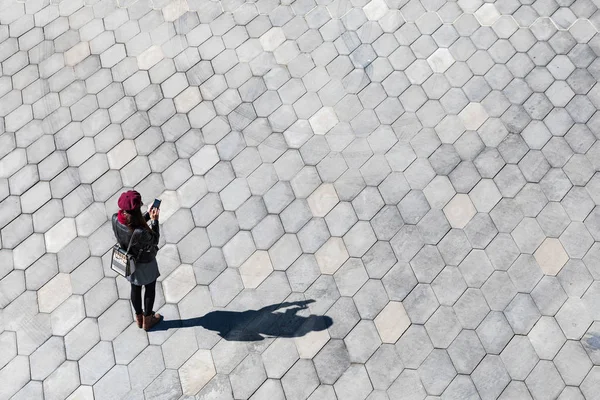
[[136, 298]]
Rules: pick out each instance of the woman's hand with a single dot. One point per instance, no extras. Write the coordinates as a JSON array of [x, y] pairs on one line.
[[154, 212]]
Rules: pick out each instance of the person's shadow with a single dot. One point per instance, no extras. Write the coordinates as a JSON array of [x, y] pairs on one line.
[[254, 325]]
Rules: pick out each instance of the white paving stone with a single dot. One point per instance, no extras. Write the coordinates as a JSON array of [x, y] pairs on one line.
[[459, 211], [255, 269], [391, 322], [551, 256]]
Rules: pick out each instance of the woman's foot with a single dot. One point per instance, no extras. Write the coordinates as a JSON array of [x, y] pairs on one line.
[[139, 318], [151, 320]]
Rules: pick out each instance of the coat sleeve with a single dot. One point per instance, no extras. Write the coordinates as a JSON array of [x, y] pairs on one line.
[[113, 223], [150, 237]]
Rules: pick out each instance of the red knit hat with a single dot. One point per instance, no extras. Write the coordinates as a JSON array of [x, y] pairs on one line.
[[130, 200]]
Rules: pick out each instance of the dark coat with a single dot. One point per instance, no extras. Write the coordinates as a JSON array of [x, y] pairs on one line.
[[145, 243]]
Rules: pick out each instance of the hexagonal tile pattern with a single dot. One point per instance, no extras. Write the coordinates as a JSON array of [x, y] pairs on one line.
[[362, 200]]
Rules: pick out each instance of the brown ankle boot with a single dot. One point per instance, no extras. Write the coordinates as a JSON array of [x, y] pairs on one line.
[[139, 318], [151, 320]]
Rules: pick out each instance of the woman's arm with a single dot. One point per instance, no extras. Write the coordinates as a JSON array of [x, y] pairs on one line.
[[149, 237], [155, 230]]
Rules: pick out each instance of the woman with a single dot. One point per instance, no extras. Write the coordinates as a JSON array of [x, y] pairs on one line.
[[130, 221]]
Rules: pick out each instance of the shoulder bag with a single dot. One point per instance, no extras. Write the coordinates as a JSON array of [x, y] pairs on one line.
[[123, 263]]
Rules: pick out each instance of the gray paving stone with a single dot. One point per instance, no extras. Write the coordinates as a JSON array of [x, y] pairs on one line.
[[590, 382], [525, 273], [370, 299], [379, 259], [579, 248], [506, 215], [490, 377], [129, 344], [362, 341], [498, 290], [571, 392], [573, 363], [279, 357], [544, 380], [146, 367], [341, 218], [413, 356], [113, 320], [476, 268], [114, 383], [494, 332], [15, 375], [436, 372], [35, 332], [439, 192], [433, 226], [413, 206], [227, 355], [384, 367], [222, 290], [331, 362], [466, 352], [345, 312], [270, 389], [575, 278], [301, 388], [165, 386], [553, 219], [427, 264], [305, 181], [323, 392], [399, 281], [522, 313], [454, 247], [573, 325], [588, 343], [96, 363], [47, 358], [480, 230], [367, 203], [174, 355], [546, 337], [303, 272], [421, 303], [324, 292], [100, 297], [531, 200], [9, 341], [443, 326], [471, 308], [409, 385], [516, 389], [202, 366], [461, 387], [285, 252], [32, 390]]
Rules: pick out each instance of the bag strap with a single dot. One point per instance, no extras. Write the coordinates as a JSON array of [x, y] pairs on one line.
[[114, 224], [131, 240]]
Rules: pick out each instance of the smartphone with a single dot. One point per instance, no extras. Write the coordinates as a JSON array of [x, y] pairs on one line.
[[156, 204]]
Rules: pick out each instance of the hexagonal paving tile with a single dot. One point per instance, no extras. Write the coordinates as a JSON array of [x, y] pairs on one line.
[[551, 256]]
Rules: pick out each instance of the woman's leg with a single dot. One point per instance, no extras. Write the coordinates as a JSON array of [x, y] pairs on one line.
[[150, 318], [136, 298], [149, 296]]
